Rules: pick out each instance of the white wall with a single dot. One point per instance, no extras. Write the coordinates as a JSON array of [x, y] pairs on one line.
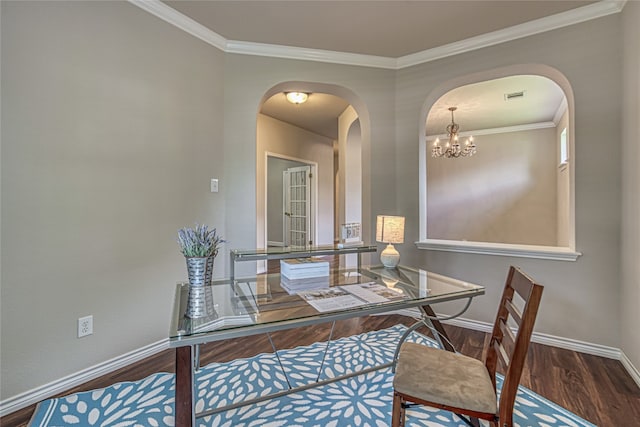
[[630, 292], [505, 193], [275, 136], [111, 130], [576, 293]]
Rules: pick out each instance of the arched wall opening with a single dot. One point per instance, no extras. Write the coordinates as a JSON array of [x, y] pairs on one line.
[[345, 175], [564, 248]]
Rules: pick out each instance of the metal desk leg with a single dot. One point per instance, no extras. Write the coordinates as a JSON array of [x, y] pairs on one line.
[[428, 320], [446, 343], [185, 416], [232, 267]]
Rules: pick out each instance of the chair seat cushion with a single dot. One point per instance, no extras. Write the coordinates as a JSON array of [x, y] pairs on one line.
[[445, 378]]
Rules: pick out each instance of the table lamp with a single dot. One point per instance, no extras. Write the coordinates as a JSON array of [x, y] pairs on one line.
[[390, 229]]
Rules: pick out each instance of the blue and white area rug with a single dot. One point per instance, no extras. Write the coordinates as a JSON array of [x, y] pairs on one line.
[[364, 400]]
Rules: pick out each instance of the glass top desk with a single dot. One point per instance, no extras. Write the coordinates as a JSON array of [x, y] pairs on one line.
[[256, 305], [270, 253]]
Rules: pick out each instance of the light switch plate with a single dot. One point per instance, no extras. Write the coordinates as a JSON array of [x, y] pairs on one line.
[[214, 185]]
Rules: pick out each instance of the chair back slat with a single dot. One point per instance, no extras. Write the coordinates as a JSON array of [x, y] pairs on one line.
[[508, 338], [514, 312], [502, 355], [509, 348]]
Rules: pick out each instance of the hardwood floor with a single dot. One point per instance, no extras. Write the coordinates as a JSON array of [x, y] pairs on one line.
[[592, 387]]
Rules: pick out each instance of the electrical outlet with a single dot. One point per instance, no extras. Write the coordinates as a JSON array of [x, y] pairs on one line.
[[85, 326]]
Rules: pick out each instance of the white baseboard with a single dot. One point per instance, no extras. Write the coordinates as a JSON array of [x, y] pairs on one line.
[[43, 392], [632, 370], [546, 339], [277, 244], [561, 342]]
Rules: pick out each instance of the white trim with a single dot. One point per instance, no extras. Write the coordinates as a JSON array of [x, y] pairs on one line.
[[570, 17], [495, 131], [272, 243], [500, 249], [314, 195], [186, 24], [632, 370], [551, 340], [546, 339], [562, 108], [40, 393], [305, 54], [563, 19], [43, 392]]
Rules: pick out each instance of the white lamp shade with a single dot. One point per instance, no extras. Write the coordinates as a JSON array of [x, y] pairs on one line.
[[390, 229]]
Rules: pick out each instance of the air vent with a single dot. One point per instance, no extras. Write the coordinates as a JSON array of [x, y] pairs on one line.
[[513, 95]]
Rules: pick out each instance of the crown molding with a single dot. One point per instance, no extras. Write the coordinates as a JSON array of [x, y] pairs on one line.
[[563, 19], [177, 19], [318, 55], [575, 16], [494, 131]]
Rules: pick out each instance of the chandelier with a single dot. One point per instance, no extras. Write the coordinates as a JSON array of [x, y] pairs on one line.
[[453, 148]]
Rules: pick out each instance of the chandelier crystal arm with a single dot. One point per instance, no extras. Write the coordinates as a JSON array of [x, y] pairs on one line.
[[453, 148]]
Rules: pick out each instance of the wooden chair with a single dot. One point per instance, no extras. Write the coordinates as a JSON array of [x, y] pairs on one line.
[[464, 385]]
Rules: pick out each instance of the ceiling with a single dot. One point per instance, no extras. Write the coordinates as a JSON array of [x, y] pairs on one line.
[[389, 29], [485, 105], [383, 28], [319, 114]]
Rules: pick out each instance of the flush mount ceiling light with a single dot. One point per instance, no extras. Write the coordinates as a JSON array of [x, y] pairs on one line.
[[452, 148], [297, 97]]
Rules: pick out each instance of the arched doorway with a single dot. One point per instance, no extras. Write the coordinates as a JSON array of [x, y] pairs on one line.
[[290, 131]]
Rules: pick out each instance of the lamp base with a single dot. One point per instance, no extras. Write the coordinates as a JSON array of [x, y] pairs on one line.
[[390, 257]]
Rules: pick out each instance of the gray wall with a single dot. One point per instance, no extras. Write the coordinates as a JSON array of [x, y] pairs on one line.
[[505, 193], [113, 122], [245, 87], [275, 136], [577, 293], [275, 197], [111, 129], [630, 295]]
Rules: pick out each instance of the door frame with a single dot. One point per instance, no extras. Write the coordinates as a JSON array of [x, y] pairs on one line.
[[313, 197]]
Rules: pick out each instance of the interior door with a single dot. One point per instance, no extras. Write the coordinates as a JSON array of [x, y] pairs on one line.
[[297, 206]]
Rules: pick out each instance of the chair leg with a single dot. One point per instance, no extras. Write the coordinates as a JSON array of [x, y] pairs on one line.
[[397, 413]]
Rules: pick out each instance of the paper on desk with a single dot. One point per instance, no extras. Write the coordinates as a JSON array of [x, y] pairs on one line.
[[332, 299], [373, 292], [348, 296]]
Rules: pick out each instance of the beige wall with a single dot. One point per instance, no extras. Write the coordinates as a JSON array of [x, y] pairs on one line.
[[630, 294], [505, 193], [113, 122], [350, 169], [111, 130], [370, 91], [576, 293], [278, 137], [564, 184]]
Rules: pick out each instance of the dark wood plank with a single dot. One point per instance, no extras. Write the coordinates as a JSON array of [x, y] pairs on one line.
[[595, 388]]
